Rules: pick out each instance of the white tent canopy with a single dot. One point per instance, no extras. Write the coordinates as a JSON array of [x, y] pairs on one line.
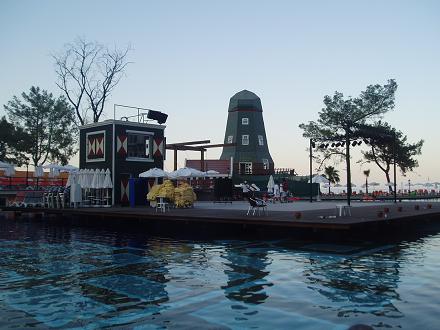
[[270, 184], [319, 179], [186, 172], [154, 173]]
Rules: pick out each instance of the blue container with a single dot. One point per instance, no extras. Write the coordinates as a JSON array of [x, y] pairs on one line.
[[138, 189]]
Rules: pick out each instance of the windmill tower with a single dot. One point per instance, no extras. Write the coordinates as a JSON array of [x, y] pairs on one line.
[[245, 127]]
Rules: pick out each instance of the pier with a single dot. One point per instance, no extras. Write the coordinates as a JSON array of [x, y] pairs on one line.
[[320, 220]]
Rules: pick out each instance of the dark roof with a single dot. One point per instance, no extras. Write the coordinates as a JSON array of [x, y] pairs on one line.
[[245, 100]]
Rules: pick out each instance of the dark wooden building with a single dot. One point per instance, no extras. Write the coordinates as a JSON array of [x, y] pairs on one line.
[[126, 148]]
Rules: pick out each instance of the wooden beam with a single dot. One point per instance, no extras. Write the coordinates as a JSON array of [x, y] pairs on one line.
[[189, 143], [171, 147], [220, 145]]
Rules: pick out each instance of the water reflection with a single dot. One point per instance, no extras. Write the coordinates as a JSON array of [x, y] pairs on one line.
[[52, 274], [246, 272]]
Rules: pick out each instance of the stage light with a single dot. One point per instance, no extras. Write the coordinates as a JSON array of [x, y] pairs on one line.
[[354, 143], [326, 146], [322, 146], [365, 141], [338, 144], [160, 117], [359, 143], [333, 145], [342, 144]]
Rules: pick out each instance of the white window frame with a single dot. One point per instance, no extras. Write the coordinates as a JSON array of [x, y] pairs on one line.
[[230, 139], [247, 167], [266, 164], [260, 140], [150, 147], [245, 138], [245, 121], [102, 159]]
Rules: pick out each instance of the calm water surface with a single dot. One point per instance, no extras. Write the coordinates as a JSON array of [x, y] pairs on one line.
[[62, 277]]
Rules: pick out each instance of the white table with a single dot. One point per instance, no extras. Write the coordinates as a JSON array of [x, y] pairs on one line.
[[343, 210]]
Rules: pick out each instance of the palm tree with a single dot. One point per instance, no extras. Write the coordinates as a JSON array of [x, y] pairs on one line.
[[367, 174], [332, 175]]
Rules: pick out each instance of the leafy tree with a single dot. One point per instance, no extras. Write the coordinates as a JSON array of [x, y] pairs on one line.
[[367, 174], [49, 124], [87, 74], [340, 118], [332, 175], [383, 146], [13, 142]]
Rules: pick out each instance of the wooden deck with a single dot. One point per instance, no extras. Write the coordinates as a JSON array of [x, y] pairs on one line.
[[363, 219]]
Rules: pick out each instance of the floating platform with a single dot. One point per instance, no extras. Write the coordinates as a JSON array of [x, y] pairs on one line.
[[373, 221]]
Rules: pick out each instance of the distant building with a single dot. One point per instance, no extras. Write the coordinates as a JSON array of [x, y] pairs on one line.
[[245, 127]]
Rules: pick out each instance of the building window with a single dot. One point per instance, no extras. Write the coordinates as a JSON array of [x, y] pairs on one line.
[[245, 168], [230, 138], [260, 140], [138, 146], [245, 140], [265, 164], [95, 146], [245, 121]]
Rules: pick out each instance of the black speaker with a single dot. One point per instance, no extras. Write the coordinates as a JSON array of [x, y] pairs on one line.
[[160, 117]]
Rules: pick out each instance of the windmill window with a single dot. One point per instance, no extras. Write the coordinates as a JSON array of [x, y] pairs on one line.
[[260, 140], [245, 140], [230, 138], [265, 164], [245, 121]]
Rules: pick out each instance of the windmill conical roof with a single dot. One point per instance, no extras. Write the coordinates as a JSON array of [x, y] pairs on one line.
[[245, 100]]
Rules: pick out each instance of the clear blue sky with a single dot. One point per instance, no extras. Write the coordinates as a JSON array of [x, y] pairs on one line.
[[190, 57]]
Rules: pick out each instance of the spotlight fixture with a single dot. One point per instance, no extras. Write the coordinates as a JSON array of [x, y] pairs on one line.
[[359, 143], [326, 146], [333, 145], [354, 143], [338, 144], [313, 144], [342, 144], [322, 146], [365, 141]]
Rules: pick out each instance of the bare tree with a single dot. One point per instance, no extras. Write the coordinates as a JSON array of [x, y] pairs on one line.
[[87, 73]]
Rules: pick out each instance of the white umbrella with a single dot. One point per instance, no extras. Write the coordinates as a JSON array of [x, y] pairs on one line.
[[5, 165], [95, 179], [319, 179], [9, 171], [38, 172], [68, 168], [373, 184], [107, 180], [52, 166], [270, 184], [72, 179], [107, 185], [154, 173], [186, 172]]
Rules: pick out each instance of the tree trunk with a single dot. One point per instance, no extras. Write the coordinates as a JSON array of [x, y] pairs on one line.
[[366, 185], [387, 174], [329, 188]]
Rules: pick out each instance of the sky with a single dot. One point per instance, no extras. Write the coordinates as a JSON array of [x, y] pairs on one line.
[[189, 57]]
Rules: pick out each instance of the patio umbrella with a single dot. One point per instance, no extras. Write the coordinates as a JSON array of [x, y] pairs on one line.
[[5, 165], [270, 184], [373, 184], [38, 172], [154, 173], [69, 168], [319, 179], [186, 172], [107, 185]]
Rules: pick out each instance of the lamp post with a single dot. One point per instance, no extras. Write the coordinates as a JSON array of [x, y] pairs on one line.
[[27, 174], [409, 186]]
